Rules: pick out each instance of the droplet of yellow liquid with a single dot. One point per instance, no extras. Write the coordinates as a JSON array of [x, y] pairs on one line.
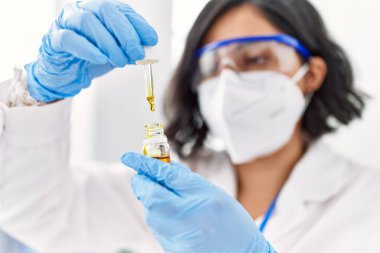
[[151, 103]]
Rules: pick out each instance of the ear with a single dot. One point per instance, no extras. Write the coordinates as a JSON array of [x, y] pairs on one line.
[[315, 76]]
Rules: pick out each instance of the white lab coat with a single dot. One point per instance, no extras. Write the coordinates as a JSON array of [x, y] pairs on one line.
[[328, 205]]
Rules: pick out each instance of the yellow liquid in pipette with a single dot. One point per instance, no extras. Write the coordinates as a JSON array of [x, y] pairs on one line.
[[151, 103], [149, 87]]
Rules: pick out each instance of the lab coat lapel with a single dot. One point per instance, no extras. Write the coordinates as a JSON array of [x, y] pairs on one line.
[[318, 177]]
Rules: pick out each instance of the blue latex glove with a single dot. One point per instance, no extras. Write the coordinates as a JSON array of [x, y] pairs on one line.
[[87, 40], [189, 214]]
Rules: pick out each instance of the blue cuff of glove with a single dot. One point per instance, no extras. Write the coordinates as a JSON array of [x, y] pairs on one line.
[[37, 90]]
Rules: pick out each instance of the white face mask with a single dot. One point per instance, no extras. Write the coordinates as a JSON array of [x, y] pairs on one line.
[[253, 113]]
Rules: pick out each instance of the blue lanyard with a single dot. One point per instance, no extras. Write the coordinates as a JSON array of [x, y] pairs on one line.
[[268, 215]]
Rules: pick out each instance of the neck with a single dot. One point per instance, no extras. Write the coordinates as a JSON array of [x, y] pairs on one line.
[[261, 180]]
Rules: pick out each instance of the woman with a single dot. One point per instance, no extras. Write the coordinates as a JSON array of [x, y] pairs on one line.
[[261, 76]]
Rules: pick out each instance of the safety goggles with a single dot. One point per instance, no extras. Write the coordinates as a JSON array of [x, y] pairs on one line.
[[256, 53]]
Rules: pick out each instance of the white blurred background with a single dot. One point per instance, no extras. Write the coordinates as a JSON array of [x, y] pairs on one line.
[[109, 118]]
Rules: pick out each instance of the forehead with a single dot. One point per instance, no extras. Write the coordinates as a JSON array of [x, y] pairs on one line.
[[243, 20]]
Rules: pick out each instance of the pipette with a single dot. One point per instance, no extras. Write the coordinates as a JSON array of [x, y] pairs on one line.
[[148, 75]]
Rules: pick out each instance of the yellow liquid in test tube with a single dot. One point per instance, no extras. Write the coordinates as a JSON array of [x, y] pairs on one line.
[[156, 143]]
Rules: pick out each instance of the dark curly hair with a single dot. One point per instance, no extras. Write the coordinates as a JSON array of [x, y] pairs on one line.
[[337, 99]]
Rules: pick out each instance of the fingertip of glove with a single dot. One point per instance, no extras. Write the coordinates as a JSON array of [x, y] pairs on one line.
[[100, 59], [130, 159], [152, 40], [139, 53]]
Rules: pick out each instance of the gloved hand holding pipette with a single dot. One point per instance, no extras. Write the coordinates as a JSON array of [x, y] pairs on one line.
[[87, 40]]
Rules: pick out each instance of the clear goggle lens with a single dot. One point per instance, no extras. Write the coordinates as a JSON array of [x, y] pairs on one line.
[[248, 56]]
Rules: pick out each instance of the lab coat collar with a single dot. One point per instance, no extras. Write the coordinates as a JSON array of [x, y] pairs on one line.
[[318, 177]]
